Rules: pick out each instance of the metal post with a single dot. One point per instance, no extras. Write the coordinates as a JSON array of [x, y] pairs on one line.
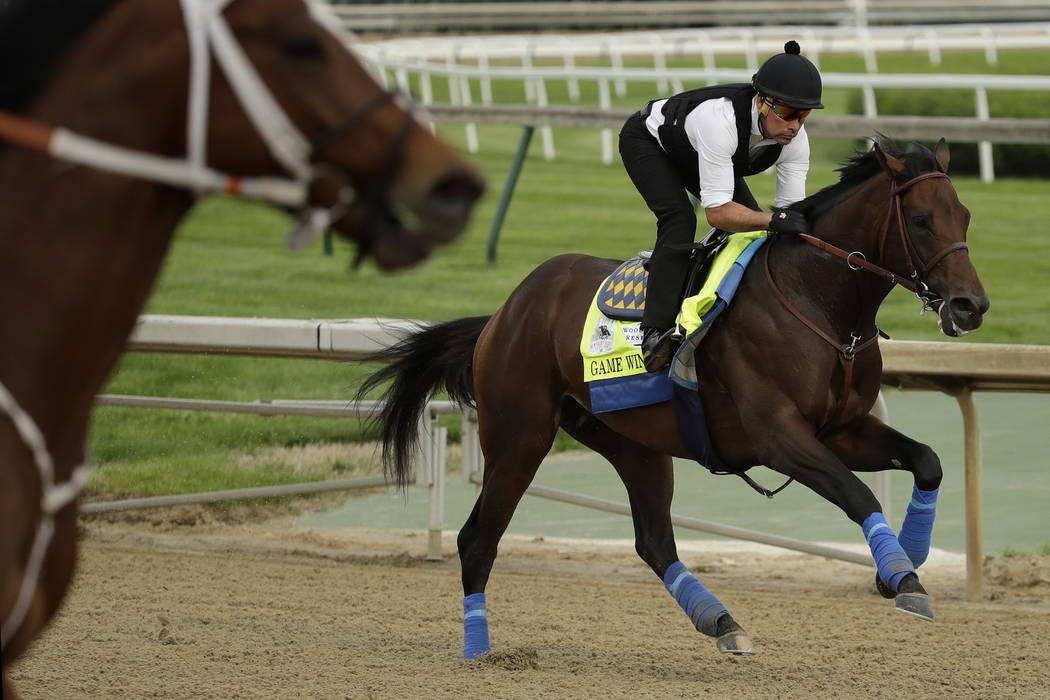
[[508, 190], [974, 536]]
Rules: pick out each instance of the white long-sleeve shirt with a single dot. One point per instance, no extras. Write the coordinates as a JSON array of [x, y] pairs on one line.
[[711, 129]]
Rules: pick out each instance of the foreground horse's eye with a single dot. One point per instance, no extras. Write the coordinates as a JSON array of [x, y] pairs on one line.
[[303, 48], [921, 222]]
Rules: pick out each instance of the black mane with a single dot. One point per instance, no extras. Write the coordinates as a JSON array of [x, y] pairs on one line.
[[35, 35], [860, 168]]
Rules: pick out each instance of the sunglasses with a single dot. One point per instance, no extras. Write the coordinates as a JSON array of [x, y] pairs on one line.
[[786, 113]]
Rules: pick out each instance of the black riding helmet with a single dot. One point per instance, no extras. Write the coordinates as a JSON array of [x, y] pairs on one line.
[[789, 78]]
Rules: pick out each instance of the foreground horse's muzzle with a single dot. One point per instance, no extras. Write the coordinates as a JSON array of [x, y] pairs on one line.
[[962, 314], [400, 232]]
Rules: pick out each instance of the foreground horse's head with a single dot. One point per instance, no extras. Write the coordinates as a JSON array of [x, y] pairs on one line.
[[247, 88], [932, 223], [359, 135]]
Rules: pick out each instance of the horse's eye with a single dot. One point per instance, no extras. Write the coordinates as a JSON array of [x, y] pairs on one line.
[[303, 48], [921, 222]]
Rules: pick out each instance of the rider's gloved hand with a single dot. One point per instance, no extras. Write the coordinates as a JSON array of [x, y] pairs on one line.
[[787, 222]]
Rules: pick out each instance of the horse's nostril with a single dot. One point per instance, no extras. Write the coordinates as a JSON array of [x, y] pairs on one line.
[[461, 187], [968, 307]]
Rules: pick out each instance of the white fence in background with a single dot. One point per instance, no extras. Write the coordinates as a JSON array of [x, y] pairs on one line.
[[533, 60], [534, 89], [589, 15], [958, 369], [709, 43]]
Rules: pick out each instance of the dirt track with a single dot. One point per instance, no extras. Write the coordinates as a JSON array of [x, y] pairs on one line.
[[268, 610]]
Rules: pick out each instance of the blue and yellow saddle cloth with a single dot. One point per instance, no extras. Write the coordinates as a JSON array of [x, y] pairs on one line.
[[611, 340]]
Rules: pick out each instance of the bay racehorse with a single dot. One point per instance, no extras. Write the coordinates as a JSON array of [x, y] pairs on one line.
[[787, 376], [114, 116]]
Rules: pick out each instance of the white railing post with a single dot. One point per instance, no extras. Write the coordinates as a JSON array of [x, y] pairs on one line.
[[867, 49], [984, 148], [606, 134], [933, 47], [616, 60], [991, 55], [545, 131], [426, 94], [472, 129], [436, 491]]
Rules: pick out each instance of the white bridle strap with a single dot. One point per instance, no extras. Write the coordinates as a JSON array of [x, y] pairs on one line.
[[286, 143], [204, 25], [54, 497], [200, 79]]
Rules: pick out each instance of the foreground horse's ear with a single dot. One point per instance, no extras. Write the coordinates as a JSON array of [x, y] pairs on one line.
[[942, 155], [889, 163]]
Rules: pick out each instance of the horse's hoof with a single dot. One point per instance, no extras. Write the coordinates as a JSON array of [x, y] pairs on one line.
[[917, 604], [732, 639], [884, 588], [735, 643]]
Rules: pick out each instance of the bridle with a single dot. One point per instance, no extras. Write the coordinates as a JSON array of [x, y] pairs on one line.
[[914, 280], [208, 34]]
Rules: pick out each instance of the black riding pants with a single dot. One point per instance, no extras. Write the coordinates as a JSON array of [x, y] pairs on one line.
[[664, 191]]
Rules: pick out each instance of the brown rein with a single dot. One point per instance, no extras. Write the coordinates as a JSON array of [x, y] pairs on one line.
[[856, 261]]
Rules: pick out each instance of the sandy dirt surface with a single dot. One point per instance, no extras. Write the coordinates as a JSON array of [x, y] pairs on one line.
[[269, 609]]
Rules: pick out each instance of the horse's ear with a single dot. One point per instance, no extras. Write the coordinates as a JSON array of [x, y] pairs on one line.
[[889, 163], [942, 155]]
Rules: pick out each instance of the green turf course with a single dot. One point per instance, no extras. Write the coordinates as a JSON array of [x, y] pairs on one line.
[[229, 259]]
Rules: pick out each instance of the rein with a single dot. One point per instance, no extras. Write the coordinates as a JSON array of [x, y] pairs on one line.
[[913, 282]]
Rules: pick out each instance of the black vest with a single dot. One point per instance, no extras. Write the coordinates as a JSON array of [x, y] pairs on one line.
[[684, 156]]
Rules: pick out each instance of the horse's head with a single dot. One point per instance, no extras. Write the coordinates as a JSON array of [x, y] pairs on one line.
[[370, 162], [932, 223]]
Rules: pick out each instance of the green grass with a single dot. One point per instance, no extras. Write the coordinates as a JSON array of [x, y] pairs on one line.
[[229, 259]]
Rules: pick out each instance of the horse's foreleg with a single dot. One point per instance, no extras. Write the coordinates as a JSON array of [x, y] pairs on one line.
[[815, 465], [871, 445], [649, 478]]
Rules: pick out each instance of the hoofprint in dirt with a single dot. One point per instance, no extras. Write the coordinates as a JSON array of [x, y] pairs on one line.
[[220, 610]]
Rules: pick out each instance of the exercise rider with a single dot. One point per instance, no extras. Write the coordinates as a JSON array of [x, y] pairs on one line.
[[704, 142]]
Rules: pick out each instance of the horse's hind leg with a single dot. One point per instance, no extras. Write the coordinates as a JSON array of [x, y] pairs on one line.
[[649, 478], [515, 438]]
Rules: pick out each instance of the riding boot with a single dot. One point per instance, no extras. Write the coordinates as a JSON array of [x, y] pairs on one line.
[[658, 347]]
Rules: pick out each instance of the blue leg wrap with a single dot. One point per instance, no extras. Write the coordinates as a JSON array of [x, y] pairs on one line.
[[475, 626], [702, 607], [918, 525], [893, 563]]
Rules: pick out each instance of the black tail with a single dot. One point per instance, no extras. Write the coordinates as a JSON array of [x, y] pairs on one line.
[[429, 359]]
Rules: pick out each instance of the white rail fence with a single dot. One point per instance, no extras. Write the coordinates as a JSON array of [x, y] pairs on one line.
[[708, 44], [982, 129], [958, 369], [397, 18]]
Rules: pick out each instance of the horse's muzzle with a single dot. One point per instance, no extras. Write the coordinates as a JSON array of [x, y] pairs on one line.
[[960, 315]]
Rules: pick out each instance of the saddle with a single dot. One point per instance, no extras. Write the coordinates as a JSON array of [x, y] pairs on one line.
[[622, 296]]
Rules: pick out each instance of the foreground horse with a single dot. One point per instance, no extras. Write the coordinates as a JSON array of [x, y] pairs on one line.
[[788, 374], [114, 114]]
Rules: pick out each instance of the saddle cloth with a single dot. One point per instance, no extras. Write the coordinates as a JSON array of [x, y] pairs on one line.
[[611, 343]]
